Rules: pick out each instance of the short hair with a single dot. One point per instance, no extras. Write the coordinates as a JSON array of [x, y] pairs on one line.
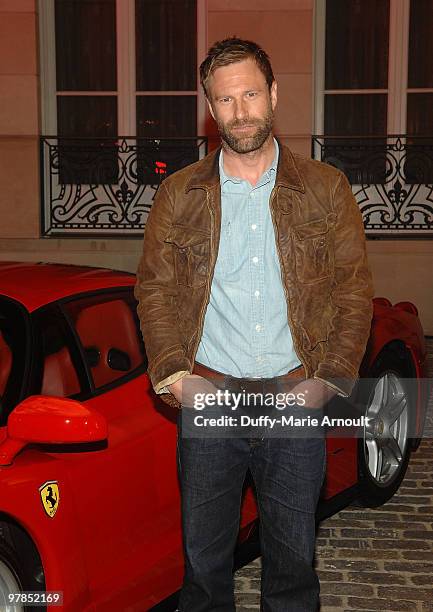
[[232, 50]]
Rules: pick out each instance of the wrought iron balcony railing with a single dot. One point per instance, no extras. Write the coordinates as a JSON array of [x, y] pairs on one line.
[[105, 186], [391, 178]]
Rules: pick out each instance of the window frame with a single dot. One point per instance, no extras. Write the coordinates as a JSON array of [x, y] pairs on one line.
[[88, 389], [75, 352], [126, 93], [113, 294], [22, 366], [398, 60]]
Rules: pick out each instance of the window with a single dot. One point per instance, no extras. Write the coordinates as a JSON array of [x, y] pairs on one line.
[[122, 67], [356, 81], [374, 66], [373, 96], [56, 359], [108, 330], [121, 108]]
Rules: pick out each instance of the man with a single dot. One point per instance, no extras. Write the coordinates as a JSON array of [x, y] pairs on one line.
[[254, 268]]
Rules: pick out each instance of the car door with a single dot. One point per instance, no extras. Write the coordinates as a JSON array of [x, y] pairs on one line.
[[126, 491]]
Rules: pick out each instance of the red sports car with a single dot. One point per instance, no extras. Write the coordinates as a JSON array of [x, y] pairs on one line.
[[90, 512]]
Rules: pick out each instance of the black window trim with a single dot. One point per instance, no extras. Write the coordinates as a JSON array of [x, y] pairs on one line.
[[26, 365], [71, 342]]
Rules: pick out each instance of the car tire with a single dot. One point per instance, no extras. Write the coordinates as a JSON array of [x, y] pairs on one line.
[[10, 581], [14, 579], [384, 445]]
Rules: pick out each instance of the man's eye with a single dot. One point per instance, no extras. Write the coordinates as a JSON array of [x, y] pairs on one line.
[[252, 94]]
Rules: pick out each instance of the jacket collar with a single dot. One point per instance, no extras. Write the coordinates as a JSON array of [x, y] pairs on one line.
[[287, 171], [206, 173]]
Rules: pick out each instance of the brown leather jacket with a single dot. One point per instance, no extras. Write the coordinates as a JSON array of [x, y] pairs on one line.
[[321, 246]]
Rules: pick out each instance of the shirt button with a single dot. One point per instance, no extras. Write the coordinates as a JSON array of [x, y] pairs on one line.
[[254, 227], [258, 328], [255, 259], [257, 293], [259, 359]]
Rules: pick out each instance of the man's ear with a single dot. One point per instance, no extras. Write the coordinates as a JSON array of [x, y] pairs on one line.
[[273, 94]]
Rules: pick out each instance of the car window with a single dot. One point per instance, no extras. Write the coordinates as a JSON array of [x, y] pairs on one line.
[[58, 371], [108, 330], [13, 353], [5, 356]]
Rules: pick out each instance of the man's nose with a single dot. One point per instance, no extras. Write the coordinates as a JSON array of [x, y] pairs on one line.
[[241, 111]]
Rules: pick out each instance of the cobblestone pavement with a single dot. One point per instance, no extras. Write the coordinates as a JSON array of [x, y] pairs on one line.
[[372, 560]]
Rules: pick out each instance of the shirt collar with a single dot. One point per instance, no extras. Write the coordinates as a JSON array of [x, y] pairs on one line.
[[267, 175]]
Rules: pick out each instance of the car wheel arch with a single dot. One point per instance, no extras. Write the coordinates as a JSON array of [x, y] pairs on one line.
[[19, 539], [398, 348]]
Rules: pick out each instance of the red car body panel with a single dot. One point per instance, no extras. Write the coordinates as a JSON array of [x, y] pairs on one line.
[[142, 562], [115, 541], [35, 285], [55, 538]]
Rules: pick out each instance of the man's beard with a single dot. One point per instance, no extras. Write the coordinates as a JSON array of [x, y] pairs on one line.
[[246, 144]]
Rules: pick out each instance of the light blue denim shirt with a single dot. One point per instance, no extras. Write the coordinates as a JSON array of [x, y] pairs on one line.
[[245, 332]]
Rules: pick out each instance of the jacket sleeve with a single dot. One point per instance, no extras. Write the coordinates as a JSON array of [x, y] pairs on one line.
[[351, 296], [156, 290]]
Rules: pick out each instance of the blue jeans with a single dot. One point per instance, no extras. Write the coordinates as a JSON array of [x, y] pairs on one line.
[[288, 474]]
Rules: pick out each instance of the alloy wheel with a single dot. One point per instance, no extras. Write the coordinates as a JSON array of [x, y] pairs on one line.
[[8, 585], [386, 432]]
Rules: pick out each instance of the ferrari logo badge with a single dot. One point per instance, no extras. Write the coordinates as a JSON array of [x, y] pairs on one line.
[[50, 496]]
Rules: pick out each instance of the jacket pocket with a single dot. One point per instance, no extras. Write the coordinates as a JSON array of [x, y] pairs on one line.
[[313, 246], [191, 252]]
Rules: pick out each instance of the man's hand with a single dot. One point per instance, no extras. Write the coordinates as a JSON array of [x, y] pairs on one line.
[[186, 387], [315, 392]]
